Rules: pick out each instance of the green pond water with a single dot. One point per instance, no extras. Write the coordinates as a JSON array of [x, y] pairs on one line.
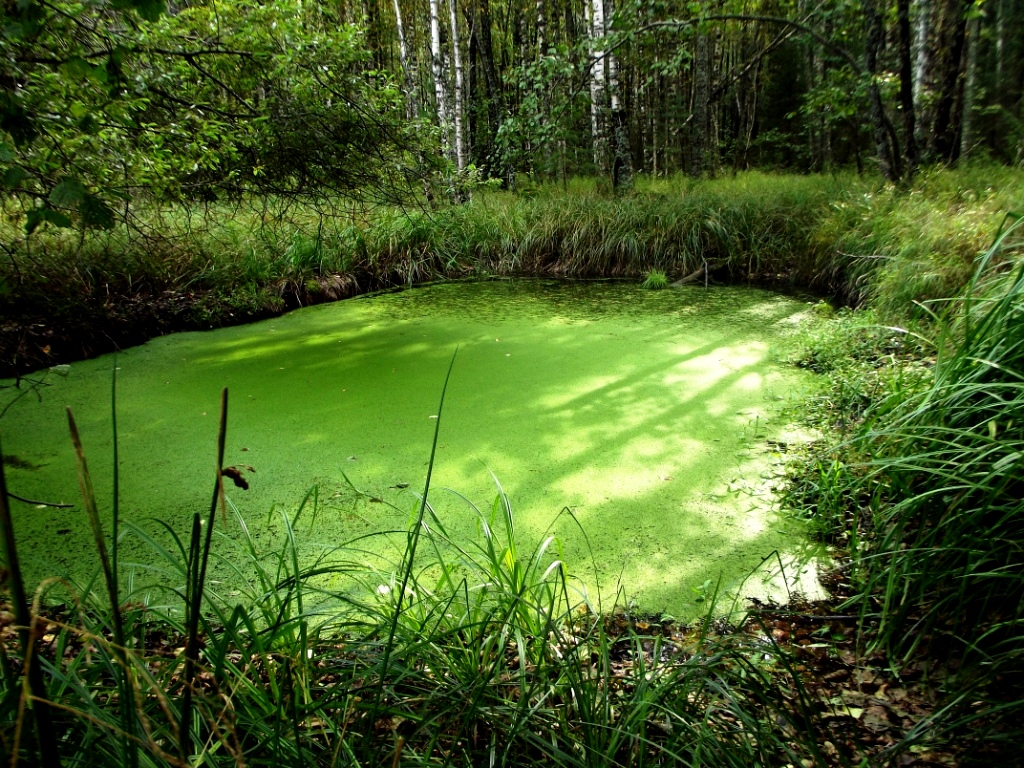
[[645, 413]]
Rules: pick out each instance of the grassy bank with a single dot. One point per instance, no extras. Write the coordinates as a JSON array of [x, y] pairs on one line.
[[67, 295], [919, 483]]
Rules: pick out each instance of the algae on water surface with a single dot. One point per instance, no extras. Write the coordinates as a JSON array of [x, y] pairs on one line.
[[645, 413]]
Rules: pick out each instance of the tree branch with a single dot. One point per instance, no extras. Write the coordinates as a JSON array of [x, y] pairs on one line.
[[798, 25]]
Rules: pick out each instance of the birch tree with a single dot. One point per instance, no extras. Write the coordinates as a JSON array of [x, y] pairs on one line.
[[907, 108], [408, 72], [460, 149], [440, 92], [598, 84]]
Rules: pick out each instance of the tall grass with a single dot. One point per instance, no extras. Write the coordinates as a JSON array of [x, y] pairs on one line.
[[458, 653], [953, 456], [843, 236], [936, 460]]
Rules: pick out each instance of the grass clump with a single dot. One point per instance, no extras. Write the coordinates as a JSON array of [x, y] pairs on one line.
[[656, 280]]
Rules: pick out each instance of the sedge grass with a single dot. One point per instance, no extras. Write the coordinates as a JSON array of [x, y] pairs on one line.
[[925, 486], [457, 653], [656, 280], [842, 236]]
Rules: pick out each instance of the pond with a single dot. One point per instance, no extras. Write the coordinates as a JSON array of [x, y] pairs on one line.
[[654, 417]]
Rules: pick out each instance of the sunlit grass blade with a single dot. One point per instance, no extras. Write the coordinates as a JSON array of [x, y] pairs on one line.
[[123, 672]]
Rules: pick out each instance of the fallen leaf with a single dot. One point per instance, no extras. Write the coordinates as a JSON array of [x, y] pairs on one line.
[[876, 718]]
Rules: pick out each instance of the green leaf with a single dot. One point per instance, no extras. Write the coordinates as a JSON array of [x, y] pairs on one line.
[[89, 125], [118, 55], [33, 220], [16, 121], [6, 152], [56, 218], [96, 213], [76, 66], [68, 193], [112, 73], [37, 216], [14, 176]]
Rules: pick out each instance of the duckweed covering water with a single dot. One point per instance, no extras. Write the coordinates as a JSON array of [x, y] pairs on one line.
[[645, 413]]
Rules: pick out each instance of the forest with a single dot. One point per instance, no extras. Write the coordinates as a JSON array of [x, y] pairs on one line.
[[208, 102], [171, 171]]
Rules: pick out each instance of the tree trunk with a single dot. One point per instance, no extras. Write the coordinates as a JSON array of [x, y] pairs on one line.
[[923, 70], [910, 152], [622, 162], [542, 43], [372, 35], [440, 94], [1009, 78], [874, 34], [408, 76], [484, 145], [701, 129], [967, 131], [598, 85], [460, 150], [826, 122], [951, 35]]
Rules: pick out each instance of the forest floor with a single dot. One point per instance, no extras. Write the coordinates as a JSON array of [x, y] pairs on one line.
[[864, 704]]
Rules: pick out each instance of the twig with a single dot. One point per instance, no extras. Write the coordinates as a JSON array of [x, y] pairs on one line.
[[39, 503]]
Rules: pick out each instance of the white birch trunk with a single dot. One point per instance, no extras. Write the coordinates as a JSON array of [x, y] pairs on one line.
[[411, 105], [542, 42], [598, 84], [460, 150], [443, 119], [923, 63]]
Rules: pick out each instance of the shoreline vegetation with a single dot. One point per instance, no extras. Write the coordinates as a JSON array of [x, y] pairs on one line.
[[473, 653], [66, 295]]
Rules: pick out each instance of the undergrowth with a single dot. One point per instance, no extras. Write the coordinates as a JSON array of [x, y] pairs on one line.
[[920, 482]]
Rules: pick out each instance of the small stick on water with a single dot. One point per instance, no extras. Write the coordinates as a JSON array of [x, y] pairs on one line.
[[16, 497]]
